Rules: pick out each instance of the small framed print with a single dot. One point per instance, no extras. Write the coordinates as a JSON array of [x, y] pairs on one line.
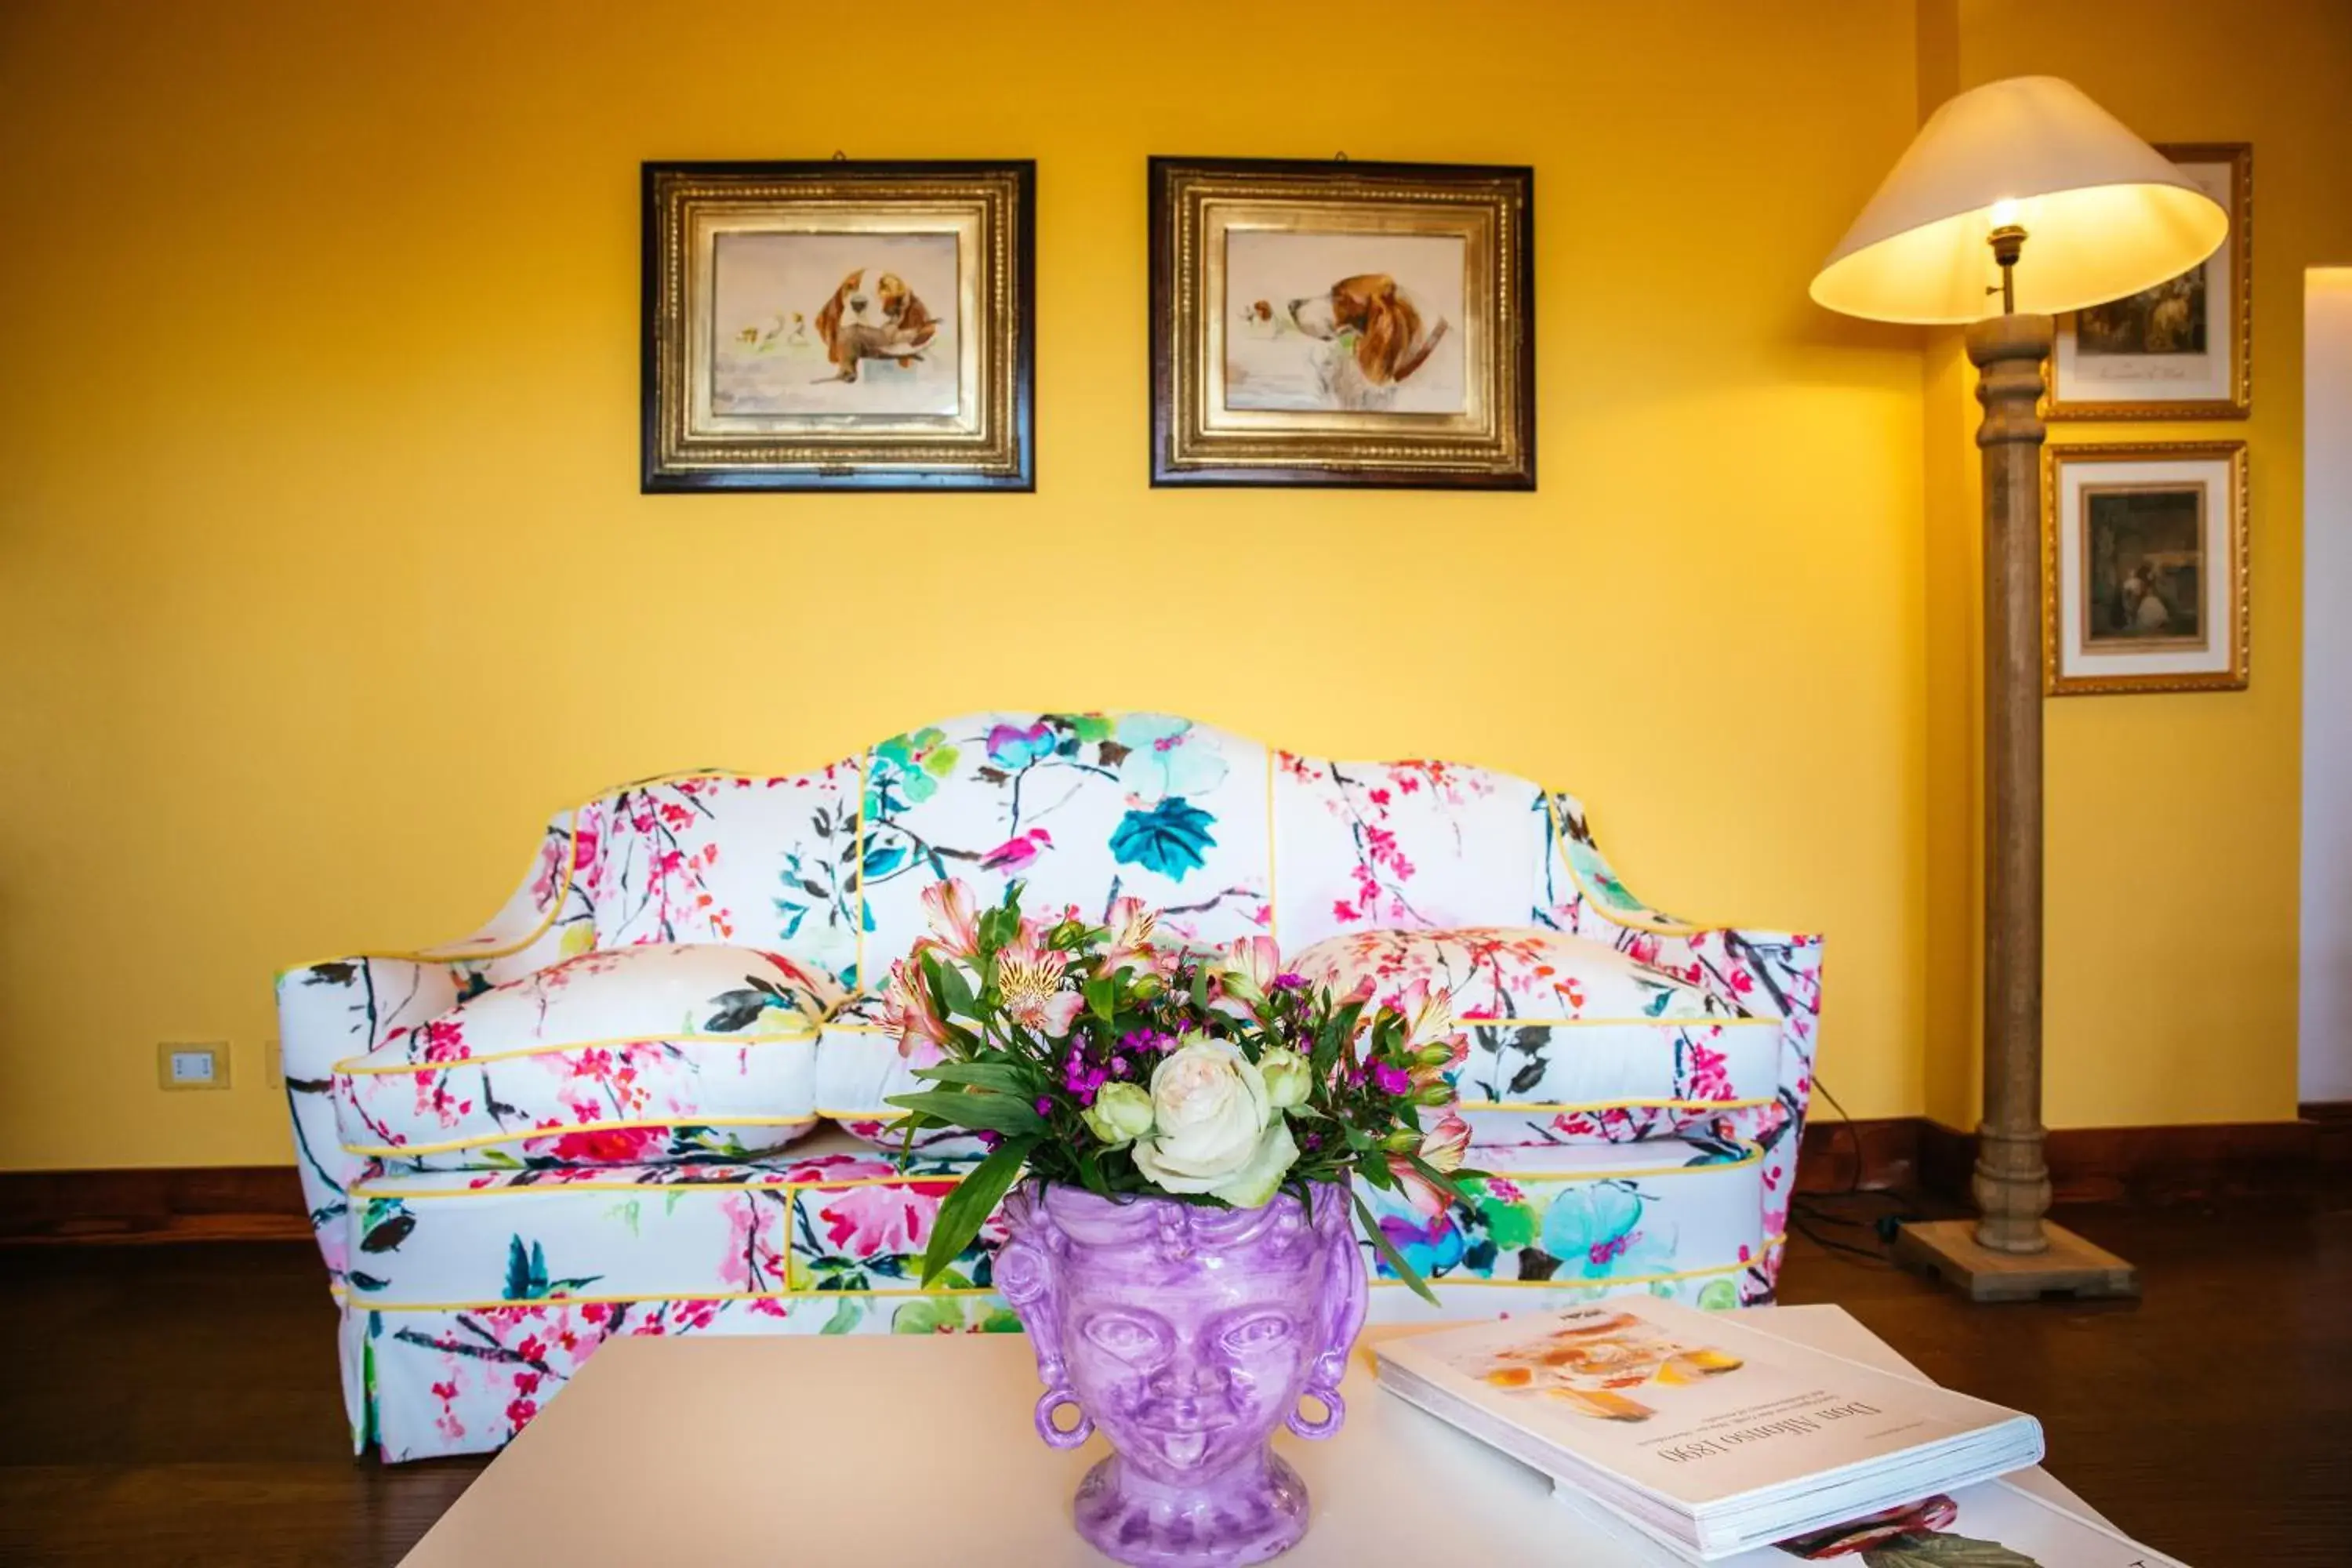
[[2184, 349], [838, 326], [1342, 323], [2144, 567]]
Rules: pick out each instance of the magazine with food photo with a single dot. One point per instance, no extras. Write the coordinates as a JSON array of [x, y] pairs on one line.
[[1713, 1436]]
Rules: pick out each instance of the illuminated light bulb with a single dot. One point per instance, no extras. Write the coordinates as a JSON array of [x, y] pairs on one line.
[[2004, 213]]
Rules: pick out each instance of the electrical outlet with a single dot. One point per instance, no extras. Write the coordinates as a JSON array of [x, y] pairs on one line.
[[199, 1065]]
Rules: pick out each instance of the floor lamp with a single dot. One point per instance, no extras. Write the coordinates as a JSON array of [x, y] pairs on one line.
[[2016, 201]]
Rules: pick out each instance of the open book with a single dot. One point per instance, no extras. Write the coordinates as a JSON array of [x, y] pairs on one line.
[[1709, 1436]]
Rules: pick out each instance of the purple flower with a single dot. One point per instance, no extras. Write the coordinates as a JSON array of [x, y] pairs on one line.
[[988, 1140], [1392, 1078], [1289, 981], [1045, 1106]]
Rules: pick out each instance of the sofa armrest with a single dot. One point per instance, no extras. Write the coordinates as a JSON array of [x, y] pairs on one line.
[[339, 1008], [328, 1012], [1745, 973]]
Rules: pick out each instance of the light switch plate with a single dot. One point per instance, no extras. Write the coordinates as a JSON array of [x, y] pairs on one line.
[[202, 1064], [273, 1059]]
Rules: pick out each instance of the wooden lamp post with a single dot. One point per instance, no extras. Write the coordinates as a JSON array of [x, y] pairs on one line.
[[2026, 194]]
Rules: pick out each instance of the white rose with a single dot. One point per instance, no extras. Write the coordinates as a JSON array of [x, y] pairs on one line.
[[1217, 1132]]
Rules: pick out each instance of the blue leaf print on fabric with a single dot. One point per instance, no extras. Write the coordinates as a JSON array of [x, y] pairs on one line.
[[1169, 838]]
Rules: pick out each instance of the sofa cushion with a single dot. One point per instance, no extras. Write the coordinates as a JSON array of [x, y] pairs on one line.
[[829, 1215], [1572, 1040], [1667, 1217], [655, 1052]]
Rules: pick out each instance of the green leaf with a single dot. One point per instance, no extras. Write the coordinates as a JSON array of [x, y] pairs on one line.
[[973, 1200], [1006, 1076], [1102, 997], [949, 986], [845, 1318], [1389, 1254], [997, 1112]]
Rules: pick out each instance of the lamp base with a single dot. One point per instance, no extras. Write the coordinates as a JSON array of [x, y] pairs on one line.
[[2068, 1267]]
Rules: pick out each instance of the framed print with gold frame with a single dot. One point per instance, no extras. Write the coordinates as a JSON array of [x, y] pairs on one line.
[[838, 326], [2143, 583], [1342, 323], [2183, 349]]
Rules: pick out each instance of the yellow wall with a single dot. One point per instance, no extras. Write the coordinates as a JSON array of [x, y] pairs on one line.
[[326, 577]]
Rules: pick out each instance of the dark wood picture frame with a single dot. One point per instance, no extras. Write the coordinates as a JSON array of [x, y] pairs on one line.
[[1201, 435], [965, 424]]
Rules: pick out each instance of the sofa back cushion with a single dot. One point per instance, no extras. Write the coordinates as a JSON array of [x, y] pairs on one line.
[[754, 859], [1412, 844], [1083, 807]]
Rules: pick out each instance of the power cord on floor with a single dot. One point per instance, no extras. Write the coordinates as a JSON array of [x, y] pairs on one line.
[[1810, 1212]]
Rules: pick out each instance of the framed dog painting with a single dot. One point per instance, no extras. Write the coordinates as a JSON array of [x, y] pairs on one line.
[[838, 325], [1342, 323], [2144, 569], [2183, 349]]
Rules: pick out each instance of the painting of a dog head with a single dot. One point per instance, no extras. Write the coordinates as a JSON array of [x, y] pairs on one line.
[[835, 323], [1361, 322]]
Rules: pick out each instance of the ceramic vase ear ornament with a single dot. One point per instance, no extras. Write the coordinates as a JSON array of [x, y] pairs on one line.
[[1185, 1335]]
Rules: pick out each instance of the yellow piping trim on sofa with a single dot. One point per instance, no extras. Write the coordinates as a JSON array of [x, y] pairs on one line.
[[1273, 891], [1558, 1283], [1559, 851], [1702, 1022], [857, 915], [1498, 1105], [810, 1295], [535, 1188], [350, 1066], [524, 1135]]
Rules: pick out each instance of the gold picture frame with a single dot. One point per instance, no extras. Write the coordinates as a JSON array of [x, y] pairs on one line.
[[2162, 353], [838, 325], [1342, 323], [2146, 571]]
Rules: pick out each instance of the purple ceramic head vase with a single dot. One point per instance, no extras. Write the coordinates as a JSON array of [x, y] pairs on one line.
[[1185, 1335]]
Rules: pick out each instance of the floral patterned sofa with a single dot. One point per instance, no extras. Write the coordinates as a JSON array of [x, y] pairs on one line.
[[647, 1097]]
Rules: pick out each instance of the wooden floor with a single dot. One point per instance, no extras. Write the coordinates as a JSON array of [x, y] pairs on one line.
[[170, 1405]]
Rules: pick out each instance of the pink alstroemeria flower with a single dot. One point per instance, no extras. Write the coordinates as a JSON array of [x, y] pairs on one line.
[[1428, 1013], [1443, 1145], [1247, 967], [954, 917], [1132, 922], [907, 1009], [1029, 980]]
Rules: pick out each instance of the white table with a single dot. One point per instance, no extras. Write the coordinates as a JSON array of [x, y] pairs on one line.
[[885, 1449]]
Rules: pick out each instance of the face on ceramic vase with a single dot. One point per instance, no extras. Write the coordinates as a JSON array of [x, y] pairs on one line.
[[1190, 1380], [1184, 1334]]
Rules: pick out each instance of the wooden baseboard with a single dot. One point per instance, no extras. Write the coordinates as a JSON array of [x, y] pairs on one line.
[[212, 1203], [2148, 1165], [2151, 1166]]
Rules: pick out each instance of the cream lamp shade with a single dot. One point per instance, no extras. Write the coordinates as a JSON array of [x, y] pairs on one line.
[[2104, 214]]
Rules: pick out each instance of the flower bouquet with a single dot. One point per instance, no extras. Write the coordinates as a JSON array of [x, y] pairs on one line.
[[1189, 1124]]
